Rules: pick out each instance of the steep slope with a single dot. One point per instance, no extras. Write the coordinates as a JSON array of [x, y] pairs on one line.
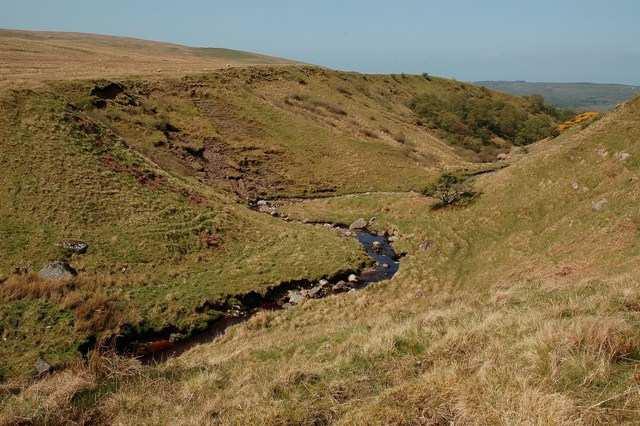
[[30, 57], [520, 307], [160, 244]]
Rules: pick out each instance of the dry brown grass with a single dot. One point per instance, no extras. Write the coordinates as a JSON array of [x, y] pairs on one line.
[[29, 58], [70, 396]]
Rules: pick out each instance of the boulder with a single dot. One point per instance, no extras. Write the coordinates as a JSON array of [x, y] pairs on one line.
[[295, 297], [57, 271], [320, 290], [42, 367], [377, 246], [74, 246], [358, 224], [341, 287], [353, 278]]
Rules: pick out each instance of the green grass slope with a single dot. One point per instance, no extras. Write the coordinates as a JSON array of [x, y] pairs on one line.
[[520, 307], [149, 263]]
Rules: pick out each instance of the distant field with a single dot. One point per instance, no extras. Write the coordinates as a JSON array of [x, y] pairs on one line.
[[30, 56], [576, 96]]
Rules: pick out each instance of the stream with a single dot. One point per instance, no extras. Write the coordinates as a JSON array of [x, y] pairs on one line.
[[384, 264]]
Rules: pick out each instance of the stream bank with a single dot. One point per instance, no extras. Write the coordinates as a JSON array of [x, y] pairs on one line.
[[158, 346]]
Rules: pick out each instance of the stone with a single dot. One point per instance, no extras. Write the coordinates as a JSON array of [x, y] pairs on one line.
[[353, 278], [622, 156], [320, 290], [358, 224], [74, 246], [393, 239], [42, 367], [341, 287], [295, 297], [314, 292], [57, 271], [262, 203], [599, 205], [376, 246], [502, 156], [575, 186]]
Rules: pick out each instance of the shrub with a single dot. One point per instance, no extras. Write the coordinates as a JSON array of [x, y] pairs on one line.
[[535, 128], [472, 118], [450, 190]]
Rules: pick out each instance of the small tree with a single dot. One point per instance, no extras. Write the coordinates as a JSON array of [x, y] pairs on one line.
[[450, 190]]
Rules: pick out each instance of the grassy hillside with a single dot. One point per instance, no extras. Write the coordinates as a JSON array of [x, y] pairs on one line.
[[518, 305], [574, 96], [30, 57], [161, 243], [156, 176], [513, 309]]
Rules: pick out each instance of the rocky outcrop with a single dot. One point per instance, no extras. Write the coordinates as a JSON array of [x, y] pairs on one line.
[[57, 270]]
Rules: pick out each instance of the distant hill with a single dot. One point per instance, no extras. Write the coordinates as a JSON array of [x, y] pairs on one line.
[[34, 56], [577, 96]]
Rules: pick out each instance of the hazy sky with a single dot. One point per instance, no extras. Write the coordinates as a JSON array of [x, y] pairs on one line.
[[536, 40]]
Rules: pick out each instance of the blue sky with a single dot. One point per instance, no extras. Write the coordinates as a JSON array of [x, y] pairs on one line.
[[541, 40]]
